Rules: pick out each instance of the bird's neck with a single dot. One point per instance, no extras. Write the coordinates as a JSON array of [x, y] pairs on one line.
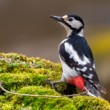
[[77, 32], [81, 33]]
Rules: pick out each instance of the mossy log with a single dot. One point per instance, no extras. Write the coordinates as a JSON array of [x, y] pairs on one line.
[[28, 76]]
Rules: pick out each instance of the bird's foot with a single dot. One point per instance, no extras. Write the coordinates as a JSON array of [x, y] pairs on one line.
[[53, 83]]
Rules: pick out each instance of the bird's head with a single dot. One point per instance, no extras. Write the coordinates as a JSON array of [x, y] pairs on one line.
[[72, 23]]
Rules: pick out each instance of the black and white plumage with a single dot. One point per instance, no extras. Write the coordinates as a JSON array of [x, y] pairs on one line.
[[76, 57]]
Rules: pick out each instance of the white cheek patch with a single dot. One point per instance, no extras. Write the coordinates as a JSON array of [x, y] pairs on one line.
[[75, 23]]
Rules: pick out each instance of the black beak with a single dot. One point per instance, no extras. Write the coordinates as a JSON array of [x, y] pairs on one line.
[[57, 18]]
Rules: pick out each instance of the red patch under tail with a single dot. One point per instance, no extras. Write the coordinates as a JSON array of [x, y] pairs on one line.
[[78, 81]]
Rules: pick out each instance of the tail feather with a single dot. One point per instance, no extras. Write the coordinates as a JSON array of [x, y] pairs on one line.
[[92, 94], [101, 88], [94, 89]]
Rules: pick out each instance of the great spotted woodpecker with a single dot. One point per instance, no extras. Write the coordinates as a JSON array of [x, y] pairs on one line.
[[76, 57]]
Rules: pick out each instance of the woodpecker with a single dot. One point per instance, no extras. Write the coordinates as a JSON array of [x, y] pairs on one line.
[[76, 57]]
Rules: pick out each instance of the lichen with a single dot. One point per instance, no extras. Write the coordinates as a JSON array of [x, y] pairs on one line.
[[27, 75]]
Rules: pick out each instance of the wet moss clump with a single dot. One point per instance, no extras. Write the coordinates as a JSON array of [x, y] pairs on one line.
[[27, 75]]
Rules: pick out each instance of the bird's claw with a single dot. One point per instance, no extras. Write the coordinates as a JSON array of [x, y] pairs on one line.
[[53, 84]]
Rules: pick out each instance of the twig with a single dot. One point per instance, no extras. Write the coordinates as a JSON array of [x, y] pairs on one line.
[[35, 95]]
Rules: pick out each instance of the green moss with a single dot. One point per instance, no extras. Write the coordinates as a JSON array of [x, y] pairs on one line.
[[16, 81], [27, 75], [15, 60], [90, 103], [4, 105], [39, 103], [2, 99], [7, 106]]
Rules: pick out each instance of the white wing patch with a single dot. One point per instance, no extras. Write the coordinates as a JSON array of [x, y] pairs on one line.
[[90, 69], [73, 54], [94, 66], [82, 69], [89, 76]]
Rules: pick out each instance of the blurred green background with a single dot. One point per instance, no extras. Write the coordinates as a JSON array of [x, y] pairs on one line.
[[25, 27]]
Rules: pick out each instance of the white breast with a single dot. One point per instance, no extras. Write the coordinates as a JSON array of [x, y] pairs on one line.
[[67, 71]]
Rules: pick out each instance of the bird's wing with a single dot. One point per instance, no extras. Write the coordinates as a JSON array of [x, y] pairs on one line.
[[80, 45], [75, 54]]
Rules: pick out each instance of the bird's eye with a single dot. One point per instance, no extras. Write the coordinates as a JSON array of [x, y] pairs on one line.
[[70, 19]]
